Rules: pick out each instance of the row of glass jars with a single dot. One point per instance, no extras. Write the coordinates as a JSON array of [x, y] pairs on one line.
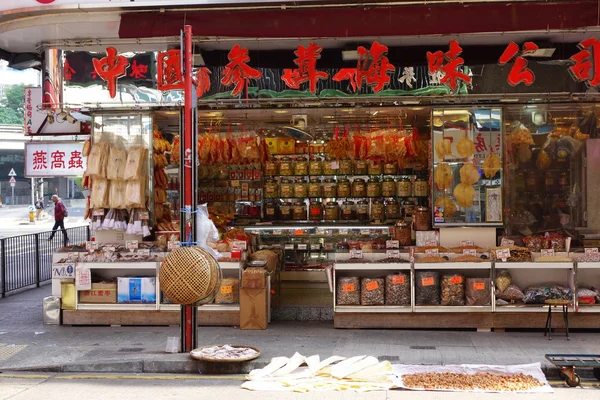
[[333, 211], [302, 166], [343, 187]]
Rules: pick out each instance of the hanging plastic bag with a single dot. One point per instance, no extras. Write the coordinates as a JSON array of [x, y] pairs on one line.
[[206, 231], [100, 191], [116, 197], [98, 158], [117, 160], [135, 193], [136, 162]]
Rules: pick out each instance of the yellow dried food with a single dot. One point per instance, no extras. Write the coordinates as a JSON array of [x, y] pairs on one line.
[[523, 153], [543, 160], [465, 147], [521, 136], [469, 174], [449, 205], [443, 176], [491, 165], [443, 148], [464, 194]]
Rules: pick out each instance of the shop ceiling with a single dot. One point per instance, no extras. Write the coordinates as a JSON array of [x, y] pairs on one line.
[[407, 27]]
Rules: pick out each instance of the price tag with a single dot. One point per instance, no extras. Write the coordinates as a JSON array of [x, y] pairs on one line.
[[335, 165], [365, 232], [470, 252], [431, 243], [547, 252], [315, 246], [239, 244], [144, 252], [226, 289], [478, 285], [277, 232], [144, 215], [467, 243], [91, 246], [427, 281], [98, 212], [343, 231], [591, 251], [398, 280], [72, 255], [432, 252], [302, 246], [392, 244], [456, 280], [393, 253], [373, 285], [507, 242], [503, 254], [348, 287], [173, 244], [356, 254], [131, 245], [109, 249], [289, 246]]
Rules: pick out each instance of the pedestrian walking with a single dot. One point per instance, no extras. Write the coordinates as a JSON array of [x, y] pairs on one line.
[[39, 208], [60, 212]]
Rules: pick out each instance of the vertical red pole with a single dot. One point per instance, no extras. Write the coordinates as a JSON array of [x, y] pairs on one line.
[[188, 191]]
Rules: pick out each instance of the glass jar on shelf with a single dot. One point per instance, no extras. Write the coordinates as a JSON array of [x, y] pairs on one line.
[[388, 187], [404, 188], [422, 219], [315, 187], [300, 188], [315, 167], [373, 187], [392, 209], [286, 166], [270, 212], [315, 211], [271, 189], [421, 187], [378, 211], [328, 167], [286, 188], [348, 211], [361, 167], [301, 166], [330, 188], [375, 167], [332, 211], [299, 211], [345, 165], [390, 168], [343, 188], [402, 233], [271, 168], [362, 210], [285, 211], [359, 188]]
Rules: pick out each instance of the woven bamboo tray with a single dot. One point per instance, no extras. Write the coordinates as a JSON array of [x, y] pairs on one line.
[[225, 360]]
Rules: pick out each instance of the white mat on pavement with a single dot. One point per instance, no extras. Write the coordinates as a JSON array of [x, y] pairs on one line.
[[534, 370]]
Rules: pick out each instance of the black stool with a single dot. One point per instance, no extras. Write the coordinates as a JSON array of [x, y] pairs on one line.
[[565, 309]]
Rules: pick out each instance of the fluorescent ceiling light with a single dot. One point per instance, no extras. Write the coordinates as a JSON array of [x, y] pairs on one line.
[[281, 111], [349, 55], [409, 102], [511, 100]]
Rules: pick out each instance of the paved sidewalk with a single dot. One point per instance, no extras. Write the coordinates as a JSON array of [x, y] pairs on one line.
[[27, 344]]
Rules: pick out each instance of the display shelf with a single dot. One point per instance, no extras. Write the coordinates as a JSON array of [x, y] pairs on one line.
[[229, 265], [117, 306], [588, 308], [372, 266], [533, 265], [373, 309], [588, 265], [525, 308], [120, 265], [205, 307], [444, 309], [453, 265], [344, 198]]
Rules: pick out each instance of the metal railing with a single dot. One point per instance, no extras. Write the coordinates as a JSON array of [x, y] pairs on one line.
[[26, 260]]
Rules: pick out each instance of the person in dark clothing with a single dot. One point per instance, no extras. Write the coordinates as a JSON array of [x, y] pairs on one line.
[[60, 212]]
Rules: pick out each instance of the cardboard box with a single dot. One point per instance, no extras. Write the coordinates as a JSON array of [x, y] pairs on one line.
[[254, 278], [100, 293], [253, 308], [136, 290], [273, 145], [286, 146]]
